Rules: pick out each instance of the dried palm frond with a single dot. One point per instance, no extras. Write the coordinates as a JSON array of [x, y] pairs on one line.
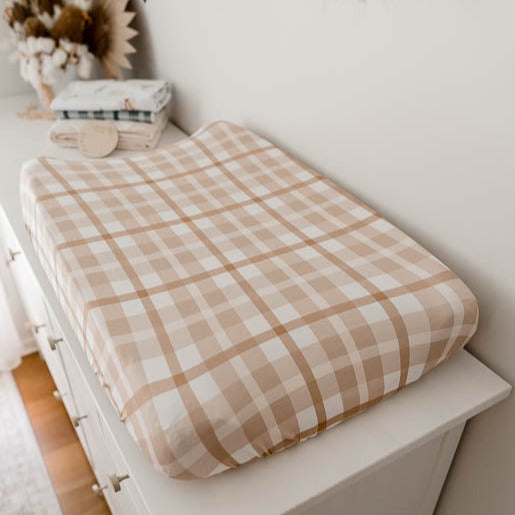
[[109, 34]]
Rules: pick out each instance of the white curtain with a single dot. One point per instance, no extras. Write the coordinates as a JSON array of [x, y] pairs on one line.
[[11, 348]]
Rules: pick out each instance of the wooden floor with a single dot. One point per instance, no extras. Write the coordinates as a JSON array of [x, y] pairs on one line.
[[66, 463]]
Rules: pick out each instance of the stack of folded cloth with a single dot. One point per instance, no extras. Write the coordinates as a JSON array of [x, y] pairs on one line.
[[137, 108]]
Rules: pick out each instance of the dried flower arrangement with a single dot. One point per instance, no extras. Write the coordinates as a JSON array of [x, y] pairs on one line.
[[52, 36]]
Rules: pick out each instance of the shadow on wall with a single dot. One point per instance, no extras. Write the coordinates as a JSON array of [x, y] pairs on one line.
[[144, 64], [142, 42]]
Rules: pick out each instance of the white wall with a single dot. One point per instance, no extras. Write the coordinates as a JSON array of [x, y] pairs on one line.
[[11, 84], [10, 81], [407, 103]]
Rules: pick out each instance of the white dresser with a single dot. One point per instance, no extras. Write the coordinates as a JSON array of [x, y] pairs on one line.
[[392, 459]]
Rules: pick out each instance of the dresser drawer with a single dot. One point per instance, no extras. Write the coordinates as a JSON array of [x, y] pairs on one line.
[[119, 492], [126, 499], [67, 380], [46, 330], [50, 342], [21, 272], [102, 451], [29, 291]]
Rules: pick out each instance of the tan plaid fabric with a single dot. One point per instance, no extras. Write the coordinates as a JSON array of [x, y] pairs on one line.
[[231, 300]]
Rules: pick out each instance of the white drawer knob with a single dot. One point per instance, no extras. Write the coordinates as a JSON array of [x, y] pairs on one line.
[[12, 255], [76, 420], [98, 490], [57, 395], [116, 480], [53, 342]]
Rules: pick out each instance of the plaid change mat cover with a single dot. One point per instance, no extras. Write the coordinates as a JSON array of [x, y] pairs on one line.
[[231, 300]]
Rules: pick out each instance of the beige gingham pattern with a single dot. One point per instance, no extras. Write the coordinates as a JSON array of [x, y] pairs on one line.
[[231, 300]]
